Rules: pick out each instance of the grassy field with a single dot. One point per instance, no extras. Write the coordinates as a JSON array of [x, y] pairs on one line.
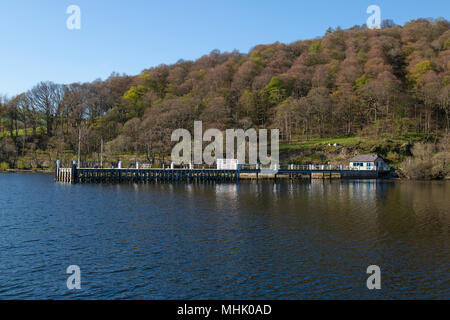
[[354, 141], [318, 143]]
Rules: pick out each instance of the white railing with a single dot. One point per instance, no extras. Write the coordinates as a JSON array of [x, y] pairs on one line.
[[64, 175]]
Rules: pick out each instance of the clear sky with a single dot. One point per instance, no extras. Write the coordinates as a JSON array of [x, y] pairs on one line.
[[131, 35]]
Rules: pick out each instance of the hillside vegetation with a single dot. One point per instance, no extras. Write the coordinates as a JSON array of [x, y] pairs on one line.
[[365, 90]]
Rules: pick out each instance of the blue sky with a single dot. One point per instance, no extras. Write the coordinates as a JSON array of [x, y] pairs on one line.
[[129, 36]]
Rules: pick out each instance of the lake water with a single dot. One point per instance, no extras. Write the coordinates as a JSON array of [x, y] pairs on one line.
[[224, 241]]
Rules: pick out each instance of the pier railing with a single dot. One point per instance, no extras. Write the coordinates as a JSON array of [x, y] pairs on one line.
[[206, 173], [65, 175]]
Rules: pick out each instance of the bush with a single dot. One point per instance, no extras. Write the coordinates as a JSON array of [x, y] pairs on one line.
[[416, 169], [4, 166], [22, 164], [429, 161], [392, 157], [441, 165]]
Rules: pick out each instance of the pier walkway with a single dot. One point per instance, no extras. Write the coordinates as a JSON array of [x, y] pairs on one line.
[[141, 175]]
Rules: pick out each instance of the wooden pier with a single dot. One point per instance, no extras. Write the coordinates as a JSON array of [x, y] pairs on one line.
[[100, 175]]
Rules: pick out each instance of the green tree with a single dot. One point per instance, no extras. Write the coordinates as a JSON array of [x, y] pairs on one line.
[[135, 105], [418, 71], [276, 90]]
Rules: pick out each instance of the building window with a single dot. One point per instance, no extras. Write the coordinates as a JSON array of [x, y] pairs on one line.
[[358, 164]]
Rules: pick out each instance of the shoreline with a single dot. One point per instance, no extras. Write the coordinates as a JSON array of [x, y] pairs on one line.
[[41, 171], [27, 171]]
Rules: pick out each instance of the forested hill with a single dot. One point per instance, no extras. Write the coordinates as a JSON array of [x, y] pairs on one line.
[[356, 82]]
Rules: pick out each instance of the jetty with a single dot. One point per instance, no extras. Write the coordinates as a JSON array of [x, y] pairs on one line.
[[149, 175]]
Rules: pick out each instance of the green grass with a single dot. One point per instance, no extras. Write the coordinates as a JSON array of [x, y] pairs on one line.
[[348, 142], [319, 143]]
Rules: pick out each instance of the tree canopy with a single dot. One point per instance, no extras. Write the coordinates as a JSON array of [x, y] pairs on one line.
[[344, 83]]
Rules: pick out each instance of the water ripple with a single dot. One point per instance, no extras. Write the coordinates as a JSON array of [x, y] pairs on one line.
[[289, 241]]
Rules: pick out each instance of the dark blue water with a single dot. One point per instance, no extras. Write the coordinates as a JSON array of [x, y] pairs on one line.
[[259, 241]]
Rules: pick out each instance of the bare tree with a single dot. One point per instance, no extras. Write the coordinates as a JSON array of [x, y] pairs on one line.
[[46, 97]]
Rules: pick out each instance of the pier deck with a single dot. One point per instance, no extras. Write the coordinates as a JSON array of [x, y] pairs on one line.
[[100, 175]]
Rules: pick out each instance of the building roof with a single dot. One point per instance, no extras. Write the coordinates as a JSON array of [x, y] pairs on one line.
[[365, 158]]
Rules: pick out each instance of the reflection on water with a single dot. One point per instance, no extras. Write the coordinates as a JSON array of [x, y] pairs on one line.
[[197, 241]]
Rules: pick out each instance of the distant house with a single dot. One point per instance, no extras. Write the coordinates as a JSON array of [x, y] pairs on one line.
[[368, 162]]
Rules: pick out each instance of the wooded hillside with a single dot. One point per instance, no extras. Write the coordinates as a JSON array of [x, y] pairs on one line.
[[357, 82]]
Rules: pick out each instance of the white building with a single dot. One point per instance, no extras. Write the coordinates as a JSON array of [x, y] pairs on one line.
[[368, 162], [228, 164]]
